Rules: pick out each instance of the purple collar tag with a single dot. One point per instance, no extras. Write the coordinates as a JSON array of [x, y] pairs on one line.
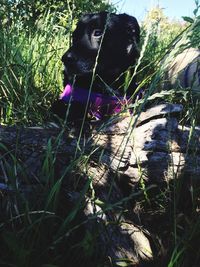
[[99, 105]]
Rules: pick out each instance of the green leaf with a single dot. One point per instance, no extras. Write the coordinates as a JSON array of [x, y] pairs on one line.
[[188, 19], [195, 11]]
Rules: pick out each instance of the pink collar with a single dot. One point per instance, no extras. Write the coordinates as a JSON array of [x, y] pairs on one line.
[[99, 105]]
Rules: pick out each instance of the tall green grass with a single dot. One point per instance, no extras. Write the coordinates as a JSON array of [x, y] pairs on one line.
[[31, 70]]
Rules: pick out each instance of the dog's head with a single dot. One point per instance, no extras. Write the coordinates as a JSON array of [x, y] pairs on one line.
[[108, 44], [104, 41]]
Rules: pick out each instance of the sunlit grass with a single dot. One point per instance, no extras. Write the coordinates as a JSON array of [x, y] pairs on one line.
[[31, 70]]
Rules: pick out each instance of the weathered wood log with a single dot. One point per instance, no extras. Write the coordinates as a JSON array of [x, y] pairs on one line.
[[118, 146], [152, 147]]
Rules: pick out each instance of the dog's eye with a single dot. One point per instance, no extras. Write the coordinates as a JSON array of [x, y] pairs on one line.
[[97, 33]]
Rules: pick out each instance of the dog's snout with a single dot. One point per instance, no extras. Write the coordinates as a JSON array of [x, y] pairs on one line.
[[68, 57]]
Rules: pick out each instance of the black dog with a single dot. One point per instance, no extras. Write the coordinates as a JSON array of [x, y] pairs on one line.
[[103, 47]]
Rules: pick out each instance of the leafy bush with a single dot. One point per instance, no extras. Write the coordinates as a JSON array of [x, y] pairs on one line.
[[28, 12]]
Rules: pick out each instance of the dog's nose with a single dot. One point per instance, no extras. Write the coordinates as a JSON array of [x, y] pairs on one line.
[[68, 57]]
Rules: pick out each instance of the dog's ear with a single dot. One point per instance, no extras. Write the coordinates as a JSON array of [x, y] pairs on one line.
[[132, 27]]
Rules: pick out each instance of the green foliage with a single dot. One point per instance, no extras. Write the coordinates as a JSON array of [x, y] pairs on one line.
[[28, 12], [30, 72]]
